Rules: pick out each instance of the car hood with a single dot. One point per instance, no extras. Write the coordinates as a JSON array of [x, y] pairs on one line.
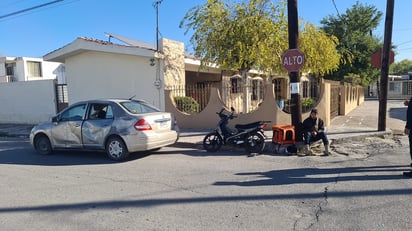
[[42, 126]]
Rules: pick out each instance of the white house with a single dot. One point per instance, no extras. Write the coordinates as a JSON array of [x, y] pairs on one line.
[[100, 69], [14, 69]]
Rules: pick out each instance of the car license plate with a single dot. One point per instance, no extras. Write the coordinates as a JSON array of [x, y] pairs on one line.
[[163, 125]]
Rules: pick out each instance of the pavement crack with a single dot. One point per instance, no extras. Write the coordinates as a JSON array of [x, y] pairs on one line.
[[322, 204]]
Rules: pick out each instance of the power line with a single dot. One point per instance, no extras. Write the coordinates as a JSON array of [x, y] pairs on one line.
[[404, 42], [336, 8], [404, 49], [29, 9]]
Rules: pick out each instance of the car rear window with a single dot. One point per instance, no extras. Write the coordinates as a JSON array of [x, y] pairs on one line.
[[137, 107]]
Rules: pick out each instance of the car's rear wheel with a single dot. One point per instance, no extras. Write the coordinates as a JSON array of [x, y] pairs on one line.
[[42, 145], [116, 149]]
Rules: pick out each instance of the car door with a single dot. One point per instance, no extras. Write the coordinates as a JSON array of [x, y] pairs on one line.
[[97, 125], [66, 131]]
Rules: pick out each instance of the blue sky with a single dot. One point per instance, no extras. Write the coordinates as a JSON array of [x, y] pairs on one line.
[[40, 31]]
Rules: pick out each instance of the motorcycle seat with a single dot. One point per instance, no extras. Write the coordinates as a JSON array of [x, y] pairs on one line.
[[247, 126]]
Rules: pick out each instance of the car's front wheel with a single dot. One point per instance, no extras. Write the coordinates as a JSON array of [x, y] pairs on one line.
[[116, 149], [42, 145]]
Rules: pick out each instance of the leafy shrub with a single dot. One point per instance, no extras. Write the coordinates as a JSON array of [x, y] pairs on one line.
[[186, 104], [308, 102]]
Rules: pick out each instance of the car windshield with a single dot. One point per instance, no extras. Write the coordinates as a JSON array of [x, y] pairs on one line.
[[138, 107]]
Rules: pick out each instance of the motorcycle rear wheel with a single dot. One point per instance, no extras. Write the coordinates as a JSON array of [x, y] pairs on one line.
[[255, 143], [212, 142]]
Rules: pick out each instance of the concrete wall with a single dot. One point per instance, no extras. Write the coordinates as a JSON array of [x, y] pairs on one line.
[[352, 96], [27, 102], [99, 74], [268, 111], [40, 104]]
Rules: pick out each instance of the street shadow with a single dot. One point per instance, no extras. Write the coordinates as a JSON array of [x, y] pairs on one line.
[[153, 202], [398, 113], [20, 152], [318, 175], [196, 149]]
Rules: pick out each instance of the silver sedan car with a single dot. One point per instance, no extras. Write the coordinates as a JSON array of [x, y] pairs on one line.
[[116, 126]]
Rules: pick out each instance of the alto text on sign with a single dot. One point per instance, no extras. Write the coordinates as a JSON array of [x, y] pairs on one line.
[[293, 60]]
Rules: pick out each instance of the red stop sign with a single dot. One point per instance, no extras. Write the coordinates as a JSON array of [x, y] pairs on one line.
[[376, 58], [293, 60]]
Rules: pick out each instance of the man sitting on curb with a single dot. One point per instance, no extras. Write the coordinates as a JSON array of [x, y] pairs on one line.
[[313, 130]]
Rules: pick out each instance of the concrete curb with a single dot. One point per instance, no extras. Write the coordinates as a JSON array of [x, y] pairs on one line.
[[382, 134], [195, 140]]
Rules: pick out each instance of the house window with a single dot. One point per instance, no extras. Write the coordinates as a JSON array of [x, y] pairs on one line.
[[314, 84], [236, 84], [10, 69], [257, 89], [278, 86], [394, 87], [305, 89], [391, 86], [34, 69]]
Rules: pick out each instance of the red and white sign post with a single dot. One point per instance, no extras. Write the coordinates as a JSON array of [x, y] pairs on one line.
[[292, 61]]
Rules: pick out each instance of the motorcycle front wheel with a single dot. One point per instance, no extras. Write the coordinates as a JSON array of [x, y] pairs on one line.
[[212, 142], [255, 143]]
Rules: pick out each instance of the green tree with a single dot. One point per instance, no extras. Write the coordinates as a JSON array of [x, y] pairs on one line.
[[253, 35], [354, 31], [237, 36], [319, 49], [401, 68], [352, 79]]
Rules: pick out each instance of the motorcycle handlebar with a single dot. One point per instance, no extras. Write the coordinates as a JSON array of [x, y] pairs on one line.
[[231, 116]]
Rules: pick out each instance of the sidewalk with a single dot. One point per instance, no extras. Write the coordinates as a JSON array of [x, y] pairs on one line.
[[361, 122]]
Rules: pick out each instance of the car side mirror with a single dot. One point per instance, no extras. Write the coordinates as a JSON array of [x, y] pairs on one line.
[[55, 119]]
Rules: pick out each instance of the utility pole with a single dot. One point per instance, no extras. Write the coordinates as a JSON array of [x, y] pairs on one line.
[[295, 103], [385, 65], [156, 5]]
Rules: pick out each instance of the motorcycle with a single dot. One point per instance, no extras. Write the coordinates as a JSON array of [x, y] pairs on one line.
[[250, 136]]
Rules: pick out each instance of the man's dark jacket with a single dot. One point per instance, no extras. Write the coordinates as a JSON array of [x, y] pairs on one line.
[[409, 115], [310, 125]]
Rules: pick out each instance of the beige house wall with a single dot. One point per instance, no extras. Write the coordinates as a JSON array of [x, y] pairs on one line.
[[267, 111], [174, 62]]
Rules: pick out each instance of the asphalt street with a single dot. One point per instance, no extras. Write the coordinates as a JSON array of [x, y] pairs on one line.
[[182, 187], [185, 188]]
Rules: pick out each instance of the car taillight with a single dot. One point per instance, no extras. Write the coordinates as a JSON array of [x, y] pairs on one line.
[[264, 126], [142, 125]]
